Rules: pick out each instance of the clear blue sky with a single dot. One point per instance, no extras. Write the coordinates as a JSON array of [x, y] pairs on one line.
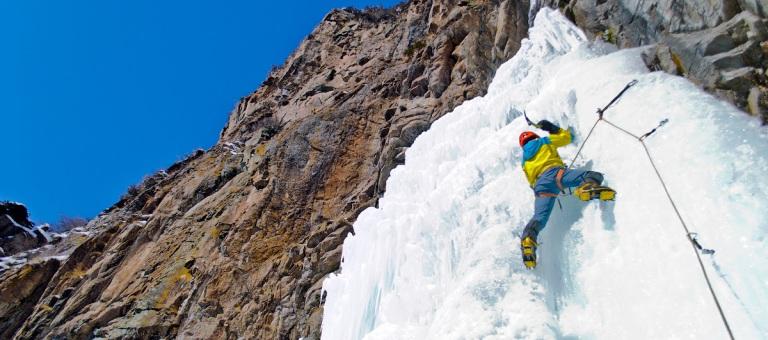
[[96, 94]]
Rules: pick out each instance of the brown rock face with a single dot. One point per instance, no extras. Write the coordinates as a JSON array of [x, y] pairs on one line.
[[20, 292], [235, 241]]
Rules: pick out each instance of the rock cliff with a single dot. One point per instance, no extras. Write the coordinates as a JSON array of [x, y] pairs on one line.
[[235, 241], [720, 45]]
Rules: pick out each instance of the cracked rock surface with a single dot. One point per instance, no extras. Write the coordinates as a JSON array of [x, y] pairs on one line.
[[719, 45], [234, 242]]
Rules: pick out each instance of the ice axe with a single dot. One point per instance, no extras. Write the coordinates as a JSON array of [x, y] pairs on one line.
[[530, 122]]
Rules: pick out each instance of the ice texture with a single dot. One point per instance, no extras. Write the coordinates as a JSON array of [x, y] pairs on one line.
[[439, 258]]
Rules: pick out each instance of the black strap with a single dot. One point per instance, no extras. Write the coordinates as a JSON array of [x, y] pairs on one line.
[[705, 251]]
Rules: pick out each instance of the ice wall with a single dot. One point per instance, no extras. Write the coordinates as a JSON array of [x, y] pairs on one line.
[[440, 258]]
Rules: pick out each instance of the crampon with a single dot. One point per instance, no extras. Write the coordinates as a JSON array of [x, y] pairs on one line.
[[528, 248], [591, 191]]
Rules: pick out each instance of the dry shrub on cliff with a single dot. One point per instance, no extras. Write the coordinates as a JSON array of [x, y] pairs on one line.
[[133, 190]]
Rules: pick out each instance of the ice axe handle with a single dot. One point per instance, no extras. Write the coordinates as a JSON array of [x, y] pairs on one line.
[[528, 120]]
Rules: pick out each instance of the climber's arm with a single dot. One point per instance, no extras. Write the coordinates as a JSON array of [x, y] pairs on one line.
[[559, 137]]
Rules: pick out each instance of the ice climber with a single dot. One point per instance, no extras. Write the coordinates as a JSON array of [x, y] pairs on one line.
[[549, 177]]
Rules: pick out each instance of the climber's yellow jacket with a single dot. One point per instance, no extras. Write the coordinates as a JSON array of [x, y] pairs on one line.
[[541, 154]]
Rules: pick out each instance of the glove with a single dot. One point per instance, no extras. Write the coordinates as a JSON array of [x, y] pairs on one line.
[[548, 126]]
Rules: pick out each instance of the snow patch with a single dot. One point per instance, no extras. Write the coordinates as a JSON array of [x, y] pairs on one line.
[[42, 229], [9, 262], [26, 230], [233, 148]]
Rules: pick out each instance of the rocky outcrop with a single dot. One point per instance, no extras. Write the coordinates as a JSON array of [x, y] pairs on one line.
[[234, 242], [23, 242], [17, 233], [720, 45], [728, 60]]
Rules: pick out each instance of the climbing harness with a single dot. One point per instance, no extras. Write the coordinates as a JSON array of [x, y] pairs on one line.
[[559, 178], [690, 235]]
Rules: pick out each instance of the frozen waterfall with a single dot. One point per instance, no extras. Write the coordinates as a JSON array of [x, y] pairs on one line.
[[440, 259]]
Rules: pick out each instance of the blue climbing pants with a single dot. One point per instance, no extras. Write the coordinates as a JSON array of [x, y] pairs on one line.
[[547, 185]]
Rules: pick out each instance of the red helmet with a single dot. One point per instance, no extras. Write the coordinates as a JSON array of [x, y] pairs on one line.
[[527, 136]]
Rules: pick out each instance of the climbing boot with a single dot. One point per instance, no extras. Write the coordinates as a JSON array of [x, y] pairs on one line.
[[528, 248], [589, 191]]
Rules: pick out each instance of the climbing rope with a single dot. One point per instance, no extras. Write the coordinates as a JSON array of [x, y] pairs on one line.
[[583, 143], [690, 235], [600, 113]]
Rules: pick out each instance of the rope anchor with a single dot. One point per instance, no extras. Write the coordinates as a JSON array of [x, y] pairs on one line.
[[690, 235], [662, 123], [600, 112]]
